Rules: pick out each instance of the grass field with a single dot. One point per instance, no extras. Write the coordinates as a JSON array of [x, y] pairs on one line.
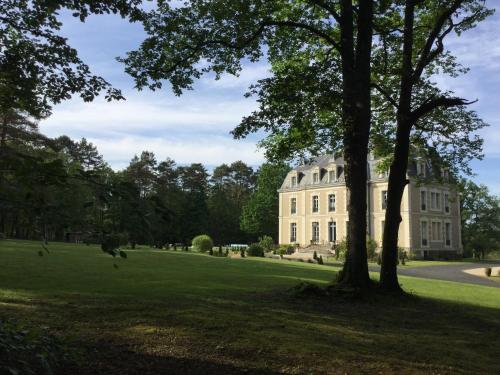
[[185, 313]]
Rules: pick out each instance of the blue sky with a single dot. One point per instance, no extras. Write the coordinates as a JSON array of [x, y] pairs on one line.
[[195, 127]]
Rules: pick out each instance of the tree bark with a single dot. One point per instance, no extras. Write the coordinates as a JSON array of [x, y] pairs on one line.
[[399, 166], [356, 113]]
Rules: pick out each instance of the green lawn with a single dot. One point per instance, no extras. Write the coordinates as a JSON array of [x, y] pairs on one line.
[[182, 313]]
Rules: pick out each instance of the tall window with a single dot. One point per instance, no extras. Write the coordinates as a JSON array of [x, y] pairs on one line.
[[331, 176], [435, 201], [384, 199], [315, 177], [294, 181], [332, 231], [447, 234], [423, 200], [424, 233], [331, 202], [436, 231], [293, 232], [421, 169], [315, 231], [315, 203], [293, 206], [446, 203]]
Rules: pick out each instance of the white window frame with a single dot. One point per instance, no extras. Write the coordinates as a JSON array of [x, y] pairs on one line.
[[293, 207], [436, 202], [439, 230], [423, 192], [330, 179], [314, 227], [445, 239], [427, 237], [316, 178], [332, 224], [293, 232], [334, 202], [315, 211]]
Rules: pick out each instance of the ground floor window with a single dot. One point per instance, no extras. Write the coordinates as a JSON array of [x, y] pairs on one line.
[[436, 231], [293, 232], [447, 234], [315, 231], [424, 233], [332, 231]]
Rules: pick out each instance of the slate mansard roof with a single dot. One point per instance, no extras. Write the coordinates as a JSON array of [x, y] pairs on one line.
[[323, 164]]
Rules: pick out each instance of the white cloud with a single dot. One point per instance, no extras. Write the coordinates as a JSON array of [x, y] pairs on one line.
[[145, 113]]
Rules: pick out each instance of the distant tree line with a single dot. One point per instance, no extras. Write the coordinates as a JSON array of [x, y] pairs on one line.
[[61, 189]]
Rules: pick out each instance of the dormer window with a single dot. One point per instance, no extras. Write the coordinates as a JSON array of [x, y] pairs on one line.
[[316, 178], [421, 170], [331, 176], [294, 181]]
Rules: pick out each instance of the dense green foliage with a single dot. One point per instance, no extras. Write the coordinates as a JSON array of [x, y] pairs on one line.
[[255, 250], [68, 192], [267, 243], [480, 211], [202, 243], [259, 214]]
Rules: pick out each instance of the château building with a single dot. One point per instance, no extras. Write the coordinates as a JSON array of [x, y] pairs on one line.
[[313, 207]]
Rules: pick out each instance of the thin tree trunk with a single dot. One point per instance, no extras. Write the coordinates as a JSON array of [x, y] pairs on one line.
[[399, 166]]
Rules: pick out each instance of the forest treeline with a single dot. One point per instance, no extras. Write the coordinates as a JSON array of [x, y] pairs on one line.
[[62, 189]]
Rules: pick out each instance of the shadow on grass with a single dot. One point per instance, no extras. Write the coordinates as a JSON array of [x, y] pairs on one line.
[[267, 333]]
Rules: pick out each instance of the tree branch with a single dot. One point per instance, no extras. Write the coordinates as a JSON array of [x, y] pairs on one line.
[[442, 101], [385, 94], [330, 9], [427, 55]]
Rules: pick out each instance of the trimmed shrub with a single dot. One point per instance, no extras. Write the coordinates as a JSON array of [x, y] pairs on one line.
[[341, 250], [227, 252], [255, 250], [402, 256], [202, 243], [320, 259], [211, 251], [371, 247], [487, 271], [310, 260], [286, 249], [242, 252], [315, 255], [267, 243]]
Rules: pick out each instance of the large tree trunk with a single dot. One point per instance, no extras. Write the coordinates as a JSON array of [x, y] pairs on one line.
[[399, 166], [356, 112]]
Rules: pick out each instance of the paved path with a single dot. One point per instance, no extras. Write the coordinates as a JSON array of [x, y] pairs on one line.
[[451, 272]]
